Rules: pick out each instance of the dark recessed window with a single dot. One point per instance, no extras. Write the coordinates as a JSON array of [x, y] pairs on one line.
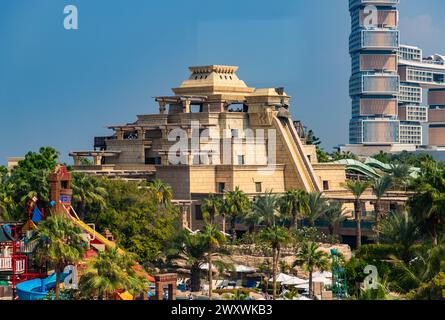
[[198, 213], [241, 160], [258, 187], [221, 187], [325, 185]]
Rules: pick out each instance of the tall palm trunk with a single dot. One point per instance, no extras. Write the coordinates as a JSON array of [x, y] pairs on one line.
[[311, 289], [378, 212], [195, 278], [233, 227], [358, 219], [210, 275], [274, 273]]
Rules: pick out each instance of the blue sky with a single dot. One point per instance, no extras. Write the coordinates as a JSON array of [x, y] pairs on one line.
[[61, 88]]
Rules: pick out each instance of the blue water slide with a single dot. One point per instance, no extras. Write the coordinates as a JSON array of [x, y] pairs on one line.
[[37, 289]]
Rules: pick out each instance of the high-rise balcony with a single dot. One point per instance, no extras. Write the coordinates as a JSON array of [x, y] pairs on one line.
[[356, 3], [374, 84], [380, 84], [374, 39]]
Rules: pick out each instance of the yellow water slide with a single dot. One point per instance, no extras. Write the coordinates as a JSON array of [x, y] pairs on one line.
[[96, 235], [294, 145]]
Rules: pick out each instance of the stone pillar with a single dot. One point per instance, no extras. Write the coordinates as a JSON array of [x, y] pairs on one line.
[[172, 291], [159, 291], [77, 160], [186, 106], [161, 107], [98, 160], [141, 134], [120, 134]]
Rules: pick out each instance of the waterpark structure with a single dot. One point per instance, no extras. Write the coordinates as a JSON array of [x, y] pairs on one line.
[[18, 241]]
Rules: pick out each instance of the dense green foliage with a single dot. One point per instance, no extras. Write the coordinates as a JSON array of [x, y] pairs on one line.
[[142, 221]]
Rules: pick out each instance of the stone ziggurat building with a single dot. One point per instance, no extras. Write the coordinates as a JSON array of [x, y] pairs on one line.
[[214, 102]]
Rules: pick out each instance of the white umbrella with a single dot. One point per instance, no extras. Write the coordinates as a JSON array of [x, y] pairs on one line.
[[283, 277], [243, 269], [324, 280], [324, 274], [295, 281]]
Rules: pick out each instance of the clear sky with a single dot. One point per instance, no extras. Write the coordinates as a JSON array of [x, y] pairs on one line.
[[61, 88]]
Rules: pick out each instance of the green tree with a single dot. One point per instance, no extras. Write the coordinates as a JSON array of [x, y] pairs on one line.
[[213, 240], [401, 175], [161, 192], [237, 204], [8, 207], [399, 228], [336, 156], [380, 187], [60, 244], [293, 205], [211, 207], [334, 215], [428, 204], [31, 177], [357, 188], [89, 194], [109, 272], [266, 209], [316, 208], [275, 237], [137, 221], [310, 257]]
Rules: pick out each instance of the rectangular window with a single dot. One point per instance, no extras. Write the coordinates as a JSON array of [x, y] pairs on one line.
[[198, 213], [241, 160], [258, 187], [234, 133], [221, 187], [153, 160], [325, 185]]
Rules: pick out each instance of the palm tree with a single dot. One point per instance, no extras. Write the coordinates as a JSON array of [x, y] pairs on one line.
[[211, 207], [8, 207], [334, 215], [317, 206], [60, 244], [88, 193], [161, 191], [276, 237], [428, 205], [266, 209], [357, 188], [399, 229], [236, 205], [400, 174], [108, 273], [193, 249], [380, 187], [293, 204], [310, 258], [213, 239]]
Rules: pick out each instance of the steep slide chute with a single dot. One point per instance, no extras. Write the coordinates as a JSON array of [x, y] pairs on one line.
[[301, 163]]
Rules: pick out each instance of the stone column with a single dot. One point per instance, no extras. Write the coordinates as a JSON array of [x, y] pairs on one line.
[[120, 134], [98, 160], [162, 107], [172, 291], [77, 160], [186, 106], [159, 291], [141, 134]]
